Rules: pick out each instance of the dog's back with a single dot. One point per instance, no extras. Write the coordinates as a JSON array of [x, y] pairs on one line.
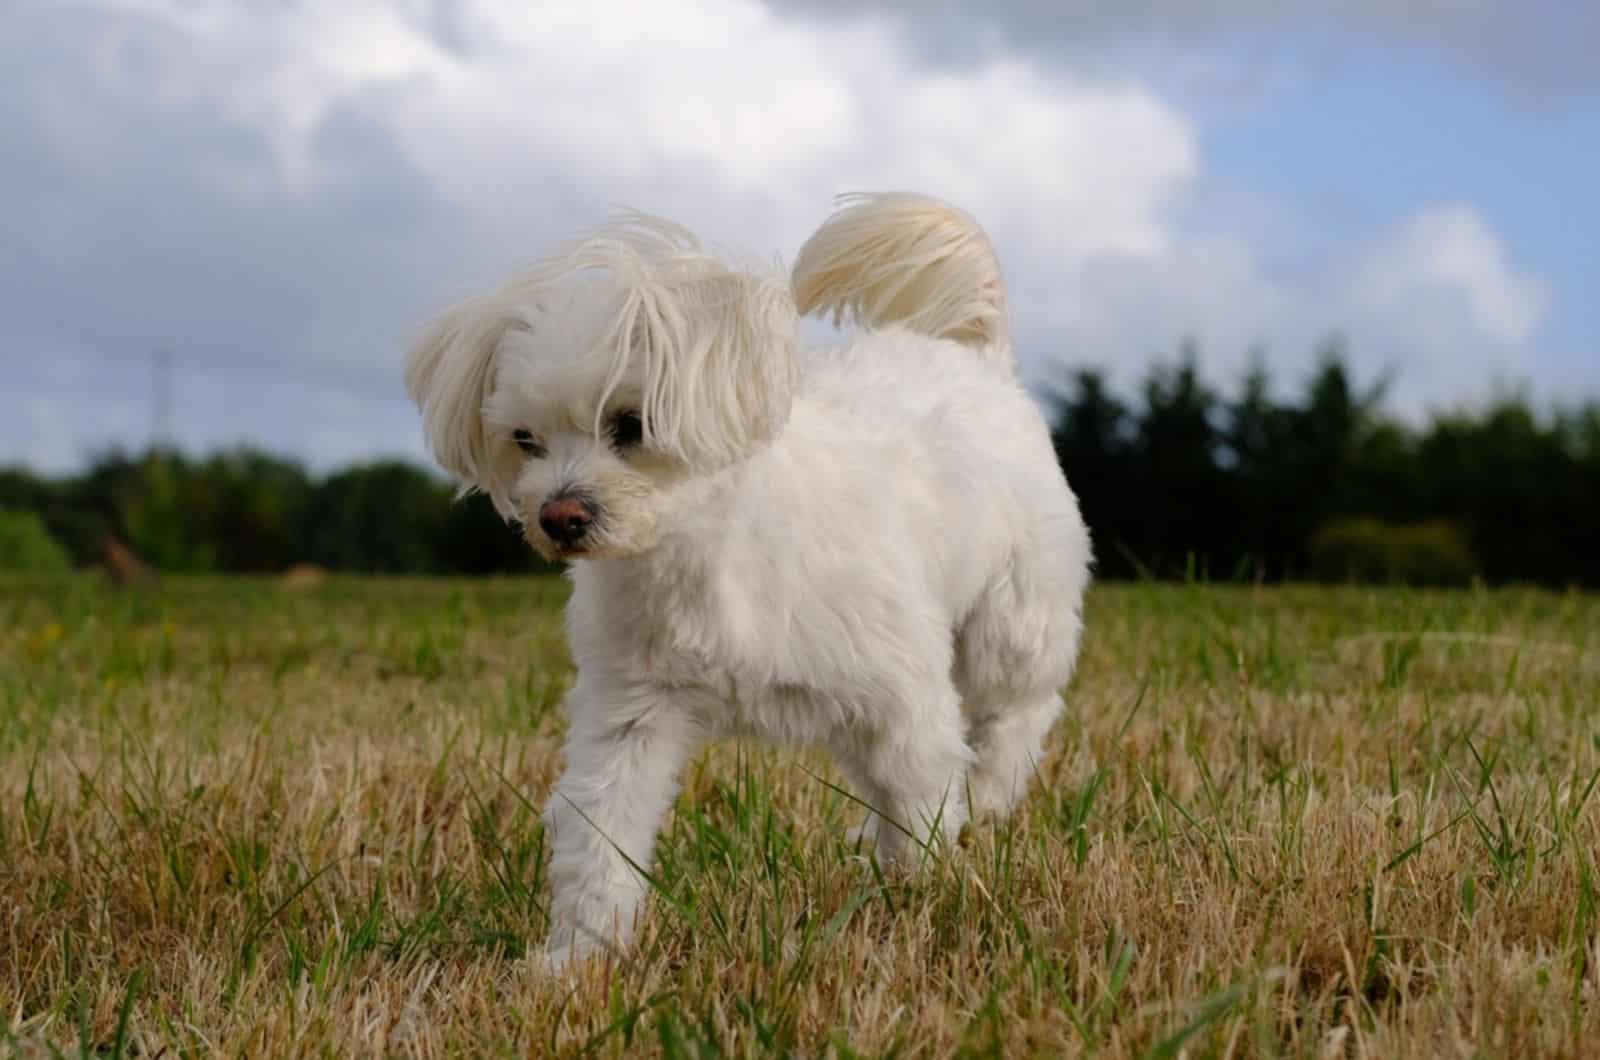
[[895, 263]]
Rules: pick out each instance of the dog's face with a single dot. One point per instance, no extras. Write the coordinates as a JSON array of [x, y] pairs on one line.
[[573, 460], [584, 395]]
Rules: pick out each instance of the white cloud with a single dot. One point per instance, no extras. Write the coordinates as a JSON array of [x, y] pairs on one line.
[[1208, 288], [296, 186], [1434, 300], [722, 109], [1449, 249]]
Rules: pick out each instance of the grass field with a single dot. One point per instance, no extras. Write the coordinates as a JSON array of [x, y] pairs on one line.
[[242, 819]]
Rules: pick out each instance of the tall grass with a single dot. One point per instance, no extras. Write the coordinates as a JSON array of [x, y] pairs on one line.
[[239, 818]]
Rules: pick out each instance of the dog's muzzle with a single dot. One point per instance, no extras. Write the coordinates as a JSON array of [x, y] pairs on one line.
[[567, 518]]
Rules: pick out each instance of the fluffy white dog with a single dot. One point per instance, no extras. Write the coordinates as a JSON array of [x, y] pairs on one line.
[[869, 548]]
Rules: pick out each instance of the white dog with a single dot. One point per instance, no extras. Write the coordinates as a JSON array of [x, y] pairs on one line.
[[871, 548]]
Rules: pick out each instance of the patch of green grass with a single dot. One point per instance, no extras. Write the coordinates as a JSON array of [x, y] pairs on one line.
[[239, 817]]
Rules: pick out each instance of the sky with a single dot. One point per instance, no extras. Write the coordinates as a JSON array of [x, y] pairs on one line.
[[279, 193]]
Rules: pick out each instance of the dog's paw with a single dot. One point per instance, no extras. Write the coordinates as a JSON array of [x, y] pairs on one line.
[[862, 837], [562, 960]]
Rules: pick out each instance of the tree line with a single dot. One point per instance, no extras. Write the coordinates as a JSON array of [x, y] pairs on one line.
[[1176, 479], [1185, 479], [246, 511]]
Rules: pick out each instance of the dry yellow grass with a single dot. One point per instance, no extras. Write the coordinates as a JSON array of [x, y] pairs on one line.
[[1324, 823]]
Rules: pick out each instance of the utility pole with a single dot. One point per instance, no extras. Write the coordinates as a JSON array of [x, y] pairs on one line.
[[161, 399]]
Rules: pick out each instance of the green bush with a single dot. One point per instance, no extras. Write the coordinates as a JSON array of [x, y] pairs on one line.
[[1364, 549], [25, 545]]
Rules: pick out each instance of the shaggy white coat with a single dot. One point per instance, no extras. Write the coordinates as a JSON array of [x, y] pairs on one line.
[[869, 549]]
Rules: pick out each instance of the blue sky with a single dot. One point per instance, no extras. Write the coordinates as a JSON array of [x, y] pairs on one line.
[[1373, 142], [280, 194]]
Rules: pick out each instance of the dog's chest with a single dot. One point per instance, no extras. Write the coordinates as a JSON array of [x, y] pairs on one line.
[[767, 654], [700, 627]]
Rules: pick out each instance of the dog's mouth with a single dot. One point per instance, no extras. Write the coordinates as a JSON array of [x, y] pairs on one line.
[[557, 552]]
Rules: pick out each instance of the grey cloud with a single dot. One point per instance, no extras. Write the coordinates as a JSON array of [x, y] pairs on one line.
[[1540, 52], [144, 209], [140, 216]]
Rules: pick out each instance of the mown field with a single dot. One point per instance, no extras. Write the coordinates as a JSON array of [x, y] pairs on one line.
[[244, 819]]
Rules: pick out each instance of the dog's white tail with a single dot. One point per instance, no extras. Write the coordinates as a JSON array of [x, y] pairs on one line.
[[910, 260]]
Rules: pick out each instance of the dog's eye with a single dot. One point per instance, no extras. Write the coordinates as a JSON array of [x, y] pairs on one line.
[[627, 430], [527, 442]]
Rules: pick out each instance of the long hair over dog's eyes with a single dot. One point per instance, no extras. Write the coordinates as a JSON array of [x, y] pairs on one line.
[[627, 430], [527, 442]]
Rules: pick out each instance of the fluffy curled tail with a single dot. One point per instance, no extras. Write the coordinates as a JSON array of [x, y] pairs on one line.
[[910, 260]]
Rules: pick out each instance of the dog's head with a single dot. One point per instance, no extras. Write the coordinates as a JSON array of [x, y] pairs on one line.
[[584, 393]]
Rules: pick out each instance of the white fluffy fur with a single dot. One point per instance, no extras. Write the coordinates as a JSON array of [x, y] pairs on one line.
[[706, 349], [906, 259], [868, 548]]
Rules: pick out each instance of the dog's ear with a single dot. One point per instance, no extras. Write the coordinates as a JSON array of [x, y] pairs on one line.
[[717, 351], [449, 374]]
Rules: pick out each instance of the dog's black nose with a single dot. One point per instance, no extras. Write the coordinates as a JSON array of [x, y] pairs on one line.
[[566, 519]]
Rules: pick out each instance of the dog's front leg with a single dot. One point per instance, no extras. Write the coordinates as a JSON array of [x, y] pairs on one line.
[[624, 752]]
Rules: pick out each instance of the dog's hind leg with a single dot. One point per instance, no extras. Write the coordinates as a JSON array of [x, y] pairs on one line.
[[1008, 742], [866, 794], [1013, 656]]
